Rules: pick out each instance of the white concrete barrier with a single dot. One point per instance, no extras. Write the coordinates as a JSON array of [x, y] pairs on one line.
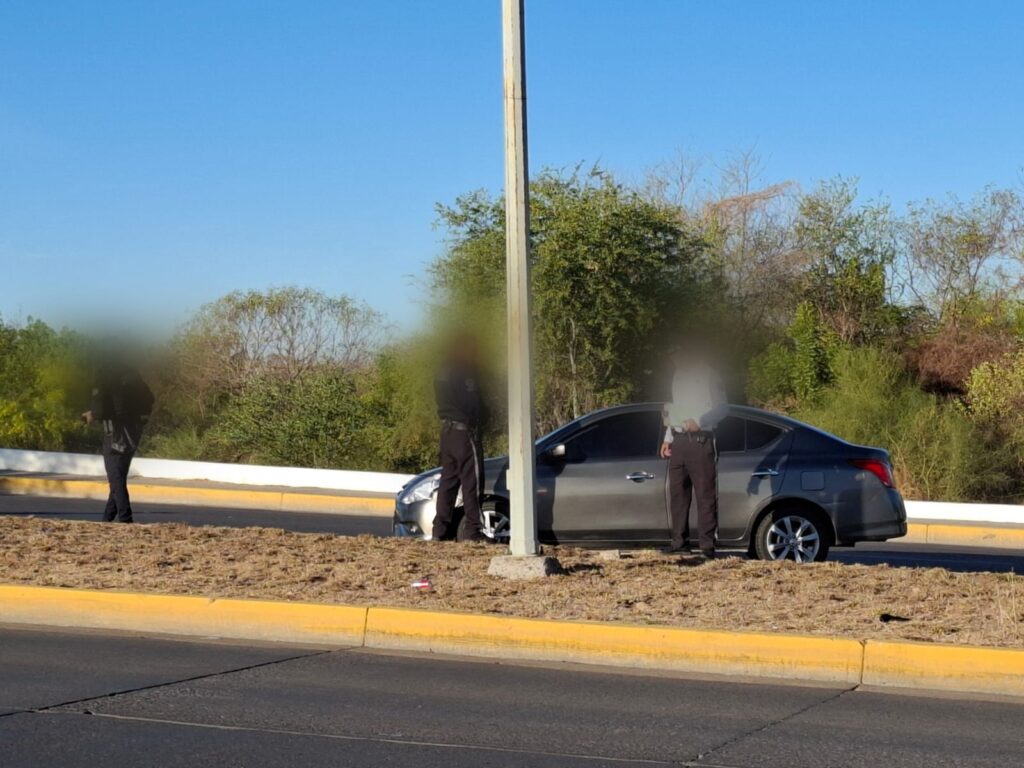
[[380, 482], [241, 474], [950, 511]]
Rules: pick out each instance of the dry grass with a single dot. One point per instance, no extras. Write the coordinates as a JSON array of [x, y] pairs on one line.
[[645, 588]]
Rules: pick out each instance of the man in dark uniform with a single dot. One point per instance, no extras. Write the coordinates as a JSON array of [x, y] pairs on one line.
[[462, 412], [122, 403], [698, 404]]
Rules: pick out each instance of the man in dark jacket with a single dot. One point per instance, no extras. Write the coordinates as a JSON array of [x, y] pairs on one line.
[[460, 407], [121, 403]]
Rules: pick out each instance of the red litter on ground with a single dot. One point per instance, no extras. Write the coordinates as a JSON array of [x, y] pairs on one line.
[[422, 584]]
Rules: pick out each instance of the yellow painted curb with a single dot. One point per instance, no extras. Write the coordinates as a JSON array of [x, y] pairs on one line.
[[795, 657], [917, 533], [975, 535], [963, 535], [733, 653], [944, 667], [153, 493], [184, 615]]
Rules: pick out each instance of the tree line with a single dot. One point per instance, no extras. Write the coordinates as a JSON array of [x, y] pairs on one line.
[[903, 329]]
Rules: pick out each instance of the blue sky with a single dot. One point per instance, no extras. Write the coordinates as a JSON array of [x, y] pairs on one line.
[[158, 154]]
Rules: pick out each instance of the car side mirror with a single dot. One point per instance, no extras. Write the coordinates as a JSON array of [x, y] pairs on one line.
[[555, 453]]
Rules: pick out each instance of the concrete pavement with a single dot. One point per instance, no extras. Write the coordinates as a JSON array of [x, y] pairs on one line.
[[82, 699], [894, 553]]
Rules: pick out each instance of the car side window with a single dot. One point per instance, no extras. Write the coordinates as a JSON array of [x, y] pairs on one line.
[[730, 434], [627, 436], [760, 434]]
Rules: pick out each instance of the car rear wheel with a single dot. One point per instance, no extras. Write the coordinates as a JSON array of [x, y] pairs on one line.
[[797, 535], [494, 523]]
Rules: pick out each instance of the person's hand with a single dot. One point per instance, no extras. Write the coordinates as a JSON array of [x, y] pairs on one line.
[[692, 426], [666, 450], [87, 417]]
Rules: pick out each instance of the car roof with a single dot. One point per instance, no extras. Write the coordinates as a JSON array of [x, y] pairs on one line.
[[744, 411]]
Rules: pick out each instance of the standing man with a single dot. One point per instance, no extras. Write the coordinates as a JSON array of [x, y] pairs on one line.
[[698, 404], [462, 412], [122, 403]]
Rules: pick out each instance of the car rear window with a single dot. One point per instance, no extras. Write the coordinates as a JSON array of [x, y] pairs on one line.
[[760, 434], [729, 434], [734, 434]]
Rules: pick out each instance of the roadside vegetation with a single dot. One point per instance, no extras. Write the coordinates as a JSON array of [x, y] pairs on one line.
[[903, 329]]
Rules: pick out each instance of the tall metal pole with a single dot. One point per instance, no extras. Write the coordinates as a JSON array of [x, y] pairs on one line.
[[522, 470]]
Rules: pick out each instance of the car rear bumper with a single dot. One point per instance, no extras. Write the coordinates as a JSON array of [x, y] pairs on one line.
[[881, 515]]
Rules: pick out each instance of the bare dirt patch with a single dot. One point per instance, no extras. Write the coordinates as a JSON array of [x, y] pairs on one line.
[[642, 588]]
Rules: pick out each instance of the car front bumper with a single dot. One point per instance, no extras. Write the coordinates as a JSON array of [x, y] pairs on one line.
[[413, 520]]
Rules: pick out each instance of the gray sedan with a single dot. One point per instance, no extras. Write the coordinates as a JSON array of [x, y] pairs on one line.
[[787, 491]]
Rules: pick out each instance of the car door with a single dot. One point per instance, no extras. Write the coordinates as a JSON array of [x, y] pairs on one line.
[[610, 484], [751, 464]]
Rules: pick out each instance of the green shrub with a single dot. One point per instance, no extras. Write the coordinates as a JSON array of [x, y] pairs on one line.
[[317, 421], [183, 443], [995, 399], [786, 374], [43, 389], [938, 452], [770, 377]]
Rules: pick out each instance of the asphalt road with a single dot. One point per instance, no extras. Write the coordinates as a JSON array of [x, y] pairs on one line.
[[87, 699], [306, 522], [896, 554]]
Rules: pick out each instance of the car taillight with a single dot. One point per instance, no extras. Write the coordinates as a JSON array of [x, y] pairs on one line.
[[877, 468]]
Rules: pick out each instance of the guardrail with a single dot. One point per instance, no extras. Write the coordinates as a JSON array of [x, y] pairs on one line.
[[380, 482]]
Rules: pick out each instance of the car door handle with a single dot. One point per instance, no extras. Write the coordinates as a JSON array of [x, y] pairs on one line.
[[765, 473], [639, 477]]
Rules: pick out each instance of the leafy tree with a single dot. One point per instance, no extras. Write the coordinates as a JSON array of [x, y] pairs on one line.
[[279, 335], [43, 387], [959, 254], [612, 273], [849, 249]]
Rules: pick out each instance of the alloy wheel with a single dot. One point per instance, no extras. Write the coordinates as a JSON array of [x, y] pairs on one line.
[[494, 524], [793, 538]]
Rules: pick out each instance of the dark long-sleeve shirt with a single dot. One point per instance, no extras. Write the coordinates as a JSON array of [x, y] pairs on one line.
[[122, 402], [457, 391]]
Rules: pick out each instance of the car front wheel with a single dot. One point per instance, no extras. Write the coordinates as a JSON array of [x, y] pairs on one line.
[[494, 523], [796, 535]]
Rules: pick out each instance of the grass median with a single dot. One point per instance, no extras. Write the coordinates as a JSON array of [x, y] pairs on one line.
[[868, 602]]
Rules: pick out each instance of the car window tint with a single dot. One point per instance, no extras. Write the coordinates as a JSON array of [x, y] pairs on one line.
[[729, 434], [627, 436], [760, 434]]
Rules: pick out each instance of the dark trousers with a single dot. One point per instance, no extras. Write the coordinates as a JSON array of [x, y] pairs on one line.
[[461, 466], [119, 506], [692, 470]]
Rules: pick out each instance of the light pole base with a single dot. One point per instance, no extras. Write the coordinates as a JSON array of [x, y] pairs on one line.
[[524, 567]]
